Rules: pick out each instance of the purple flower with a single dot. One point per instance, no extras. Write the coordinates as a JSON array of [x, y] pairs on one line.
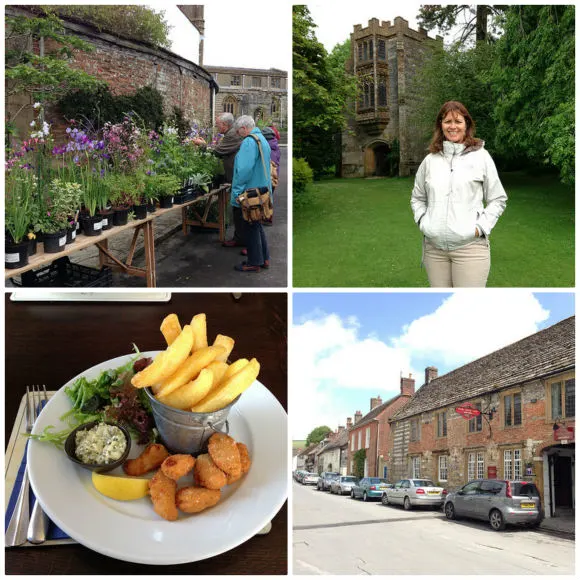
[[76, 159]]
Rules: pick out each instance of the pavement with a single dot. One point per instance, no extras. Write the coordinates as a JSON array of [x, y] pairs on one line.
[[564, 527], [338, 535], [198, 259]]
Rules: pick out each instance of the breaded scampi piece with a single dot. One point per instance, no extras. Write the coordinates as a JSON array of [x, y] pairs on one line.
[[207, 474], [225, 454], [244, 457], [193, 500], [151, 458], [162, 490], [176, 466]]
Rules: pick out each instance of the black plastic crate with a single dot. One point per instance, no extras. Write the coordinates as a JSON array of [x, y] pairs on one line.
[[62, 273]]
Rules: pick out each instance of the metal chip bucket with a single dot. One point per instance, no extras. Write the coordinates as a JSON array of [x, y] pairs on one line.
[[184, 431]]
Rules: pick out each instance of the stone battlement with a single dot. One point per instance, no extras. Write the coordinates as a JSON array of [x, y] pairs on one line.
[[400, 26]]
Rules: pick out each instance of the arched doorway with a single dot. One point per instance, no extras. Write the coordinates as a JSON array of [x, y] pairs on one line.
[[259, 114], [379, 160], [382, 165]]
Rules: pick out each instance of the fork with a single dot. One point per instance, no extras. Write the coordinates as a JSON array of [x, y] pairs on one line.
[[16, 534]]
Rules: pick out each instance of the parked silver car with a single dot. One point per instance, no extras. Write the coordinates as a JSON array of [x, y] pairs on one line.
[[499, 502], [325, 479], [309, 478], [414, 493], [343, 484]]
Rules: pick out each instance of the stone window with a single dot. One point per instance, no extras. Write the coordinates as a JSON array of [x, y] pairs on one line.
[[372, 94], [512, 409], [365, 51], [382, 92], [360, 51], [512, 464], [561, 399], [275, 108], [370, 49], [480, 464], [415, 430], [381, 50], [416, 467], [256, 82], [442, 424], [236, 80], [368, 438], [259, 114], [475, 465], [443, 459], [360, 439], [475, 425], [276, 82], [229, 105]]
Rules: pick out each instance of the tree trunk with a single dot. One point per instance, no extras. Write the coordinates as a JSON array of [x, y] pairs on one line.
[[481, 22]]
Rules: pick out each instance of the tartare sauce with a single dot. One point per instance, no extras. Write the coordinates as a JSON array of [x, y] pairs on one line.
[[100, 445]]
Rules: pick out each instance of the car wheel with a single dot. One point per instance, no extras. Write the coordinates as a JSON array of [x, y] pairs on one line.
[[351, 494], [407, 503], [339, 491], [496, 520], [385, 499], [450, 511], [365, 498]]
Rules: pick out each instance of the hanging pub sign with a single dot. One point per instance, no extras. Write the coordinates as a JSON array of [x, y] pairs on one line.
[[564, 434], [467, 411]]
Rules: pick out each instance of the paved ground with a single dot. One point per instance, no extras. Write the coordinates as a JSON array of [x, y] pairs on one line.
[[199, 259], [338, 535]]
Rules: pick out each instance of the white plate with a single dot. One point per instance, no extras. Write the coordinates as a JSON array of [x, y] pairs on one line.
[[131, 530]]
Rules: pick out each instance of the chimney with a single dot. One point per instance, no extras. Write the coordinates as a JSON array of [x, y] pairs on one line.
[[375, 402], [194, 13], [340, 429], [430, 374], [357, 417], [408, 386], [349, 422]]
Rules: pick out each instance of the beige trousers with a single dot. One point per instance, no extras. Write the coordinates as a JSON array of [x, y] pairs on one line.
[[466, 267]]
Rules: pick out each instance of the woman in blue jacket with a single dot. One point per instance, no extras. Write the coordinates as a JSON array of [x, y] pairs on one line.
[[251, 172]]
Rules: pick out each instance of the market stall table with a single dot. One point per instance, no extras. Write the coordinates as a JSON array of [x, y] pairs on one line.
[[106, 257]]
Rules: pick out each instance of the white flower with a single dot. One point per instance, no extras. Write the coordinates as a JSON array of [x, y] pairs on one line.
[[171, 131], [32, 123], [45, 128], [37, 105]]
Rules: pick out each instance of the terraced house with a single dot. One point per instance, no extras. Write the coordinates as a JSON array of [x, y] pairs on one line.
[[526, 395]]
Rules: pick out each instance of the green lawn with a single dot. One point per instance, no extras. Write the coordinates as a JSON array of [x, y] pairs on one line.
[[360, 233]]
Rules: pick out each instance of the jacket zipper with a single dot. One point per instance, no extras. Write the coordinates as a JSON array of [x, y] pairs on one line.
[[448, 197]]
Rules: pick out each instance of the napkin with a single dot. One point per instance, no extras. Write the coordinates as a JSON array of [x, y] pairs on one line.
[[54, 532]]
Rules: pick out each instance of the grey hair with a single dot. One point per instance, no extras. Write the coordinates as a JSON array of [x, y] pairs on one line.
[[226, 118], [245, 121]]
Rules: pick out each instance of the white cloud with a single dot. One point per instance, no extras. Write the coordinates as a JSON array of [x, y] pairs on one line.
[[471, 324]]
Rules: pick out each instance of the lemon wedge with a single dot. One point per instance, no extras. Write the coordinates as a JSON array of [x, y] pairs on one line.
[[121, 488]]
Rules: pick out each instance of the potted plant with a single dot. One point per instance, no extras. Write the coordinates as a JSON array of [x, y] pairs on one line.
[[167, 187], [121, 196], [91, 222], [20, 187], [139, 199], [200, 183], [150, 192], [66, 197]]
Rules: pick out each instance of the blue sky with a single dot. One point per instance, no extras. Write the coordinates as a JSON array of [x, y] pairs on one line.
[[348, 347]]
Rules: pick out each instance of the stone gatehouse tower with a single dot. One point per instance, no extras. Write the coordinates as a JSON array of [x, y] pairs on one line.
[[385, 58]]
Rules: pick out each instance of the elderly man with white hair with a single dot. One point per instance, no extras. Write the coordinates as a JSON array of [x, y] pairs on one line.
[[252, 171]]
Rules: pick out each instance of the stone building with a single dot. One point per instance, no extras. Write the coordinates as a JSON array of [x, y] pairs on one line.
[[260, 93], [381, 135], [372, 432], [526, 392], [333, 455], [127, 65]]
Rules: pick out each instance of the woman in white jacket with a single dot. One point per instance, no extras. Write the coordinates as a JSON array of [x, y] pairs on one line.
[[456, 201]]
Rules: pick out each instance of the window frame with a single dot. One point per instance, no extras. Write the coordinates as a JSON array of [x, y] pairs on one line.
[[549, 383], [258, 80], [417, 424], [234, 78], [367, 437], [360, 438], [439, 470], [275, 82], [415, 463], [381, 55], [441, 433], [511, 394], [513, 461], [476, 421]]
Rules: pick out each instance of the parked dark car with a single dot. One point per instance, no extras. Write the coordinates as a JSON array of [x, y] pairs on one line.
[[500, 502], [413, 493], [325, 479], [369, 488]]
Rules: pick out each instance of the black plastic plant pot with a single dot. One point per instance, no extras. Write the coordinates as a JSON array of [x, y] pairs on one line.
[[31, 247], [107, 217], [71, 234], [166, 202], [151, 208], [54, 243], [120, 217], [15, 255], [92, 225], [140, 211], [180, 198]]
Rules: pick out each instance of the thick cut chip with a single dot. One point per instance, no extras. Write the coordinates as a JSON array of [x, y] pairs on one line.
[[234, 368], [191, 393], [189, 370], [230, 389], [218, 368], [199, 325], [166, 362], [225, 341], [170, 328]]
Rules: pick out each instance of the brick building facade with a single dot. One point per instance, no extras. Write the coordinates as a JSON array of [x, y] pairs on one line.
[[371, 432], [260, 93], [127, 65], [385, 58], [527, 390]]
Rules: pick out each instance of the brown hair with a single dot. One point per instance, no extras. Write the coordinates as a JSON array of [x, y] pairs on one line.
[[470, 140]]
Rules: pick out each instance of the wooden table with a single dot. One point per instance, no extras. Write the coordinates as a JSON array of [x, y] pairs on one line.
[[49, 343], [107, 258]]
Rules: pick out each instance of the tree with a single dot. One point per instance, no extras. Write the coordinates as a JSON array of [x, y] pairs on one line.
[[317, 435], [46, 76], [318, 95], [359, 463], [533, 81], [481, 22]]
